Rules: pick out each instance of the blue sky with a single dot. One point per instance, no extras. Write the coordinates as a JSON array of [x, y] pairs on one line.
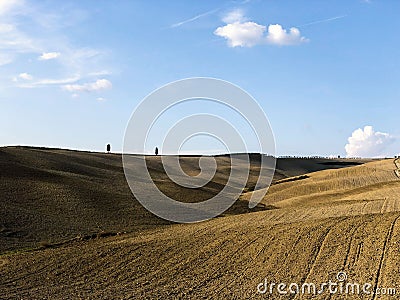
[[71, 72]]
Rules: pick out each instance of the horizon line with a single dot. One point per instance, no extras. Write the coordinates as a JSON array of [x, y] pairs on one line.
[[196, 154]]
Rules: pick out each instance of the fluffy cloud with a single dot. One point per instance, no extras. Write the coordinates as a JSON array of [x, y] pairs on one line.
[[241, 33], [49, 55], [368, 143], [25, 76], [100, 84], [245, 34], [279, 36]]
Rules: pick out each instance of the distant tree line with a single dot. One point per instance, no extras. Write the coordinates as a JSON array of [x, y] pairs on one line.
[[315, 156], [323, 157]]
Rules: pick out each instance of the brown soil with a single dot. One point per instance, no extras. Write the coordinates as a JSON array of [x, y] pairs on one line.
[[70, 229]]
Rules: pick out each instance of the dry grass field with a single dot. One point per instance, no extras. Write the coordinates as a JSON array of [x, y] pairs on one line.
[[70, 229]]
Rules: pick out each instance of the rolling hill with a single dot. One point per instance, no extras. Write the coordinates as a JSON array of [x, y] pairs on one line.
[[72, 229]]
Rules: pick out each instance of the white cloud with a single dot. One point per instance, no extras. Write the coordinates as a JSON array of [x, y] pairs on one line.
[[100, 84], [49, 82], [25, 76], [49, 55], [99, 73], [279, 36], [241, 33], [245, 34], [19, 36], [236, 15], [12, 40], [7, 5], [101, 99], [368, 143]]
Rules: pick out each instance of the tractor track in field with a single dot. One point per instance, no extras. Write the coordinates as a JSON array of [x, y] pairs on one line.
[[241, 249], [241, 273], [383, 256], [347, 258], [221, 243], [317, 252]]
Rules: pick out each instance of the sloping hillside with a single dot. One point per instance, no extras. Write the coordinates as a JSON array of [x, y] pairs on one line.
[[217, 259], [54, 195], [324, 223]]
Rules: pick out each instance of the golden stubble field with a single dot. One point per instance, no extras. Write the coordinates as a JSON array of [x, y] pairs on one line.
[[70, 229]]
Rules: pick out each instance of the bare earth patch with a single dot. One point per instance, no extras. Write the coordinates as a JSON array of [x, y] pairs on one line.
[[98, 242]]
